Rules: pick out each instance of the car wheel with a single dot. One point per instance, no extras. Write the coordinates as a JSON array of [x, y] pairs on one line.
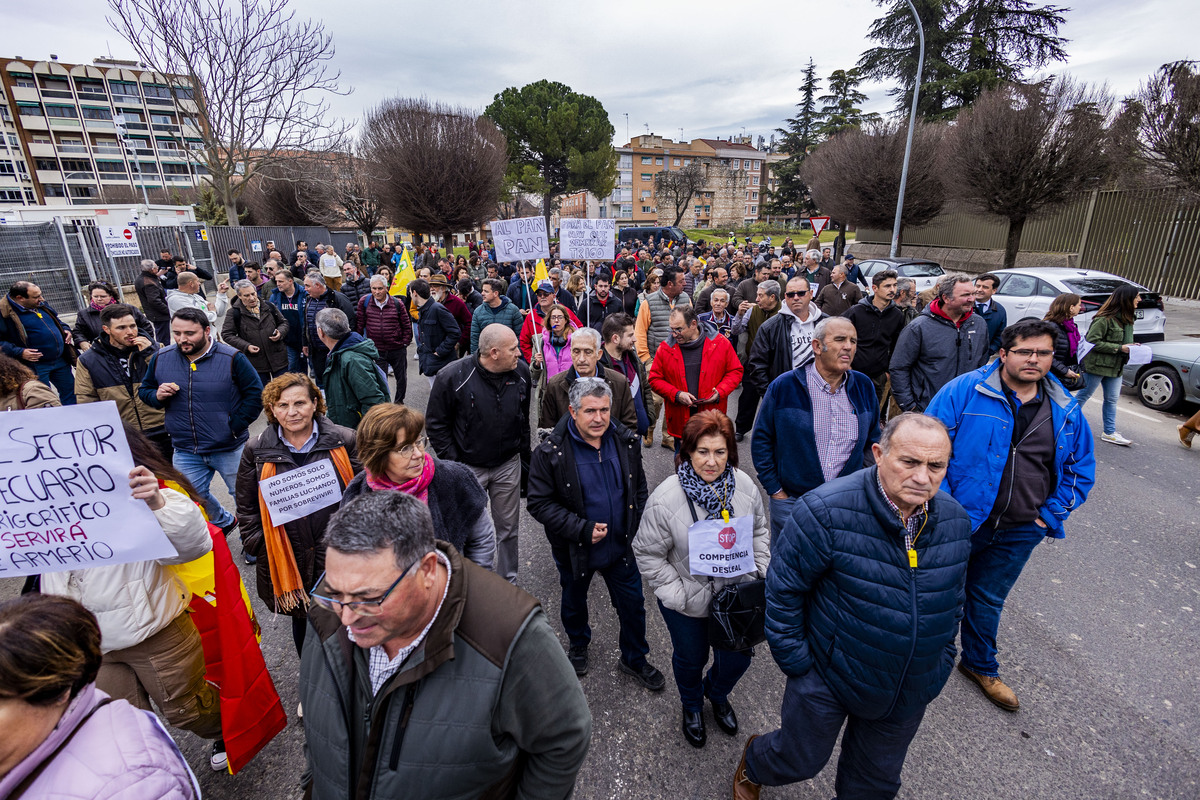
[[1159, 388]]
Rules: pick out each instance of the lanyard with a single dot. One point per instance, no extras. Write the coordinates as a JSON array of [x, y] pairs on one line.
[[910, 543]]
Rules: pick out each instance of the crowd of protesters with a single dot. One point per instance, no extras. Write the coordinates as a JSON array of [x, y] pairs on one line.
[[908, 458]]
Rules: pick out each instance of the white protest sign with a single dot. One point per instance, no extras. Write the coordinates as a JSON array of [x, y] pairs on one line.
[[299, 492], [65, 501], [520, 239], [720, 550], [120, 241], [586, 239]]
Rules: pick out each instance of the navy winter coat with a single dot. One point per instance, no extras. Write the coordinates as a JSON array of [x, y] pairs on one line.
[[841, 597]]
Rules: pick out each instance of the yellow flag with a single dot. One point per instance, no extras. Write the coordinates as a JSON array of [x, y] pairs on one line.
[[405, 274], [539, 273]]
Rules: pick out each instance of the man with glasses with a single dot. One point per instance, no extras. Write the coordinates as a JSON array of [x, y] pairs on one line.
[[422, 658], [785, 341], [1023, 461]]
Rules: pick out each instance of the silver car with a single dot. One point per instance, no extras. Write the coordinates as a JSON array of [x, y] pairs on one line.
[[1027, 294], [1172, 376]]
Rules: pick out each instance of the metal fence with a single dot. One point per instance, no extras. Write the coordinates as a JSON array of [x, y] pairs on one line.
[[1151, 236]]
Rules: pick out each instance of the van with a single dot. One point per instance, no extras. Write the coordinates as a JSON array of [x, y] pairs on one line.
[[676, 235]]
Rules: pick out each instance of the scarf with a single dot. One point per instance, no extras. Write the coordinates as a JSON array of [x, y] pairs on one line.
[[1072, 335], [92, 305], [713, 497], [285, 574], [418, 487]]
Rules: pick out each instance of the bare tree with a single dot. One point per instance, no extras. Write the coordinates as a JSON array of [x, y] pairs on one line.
[[357, 184], [254, 73], [855, 176], [1022, 150], [1167, 114], [677, 187], [288, 194], [441, 166]]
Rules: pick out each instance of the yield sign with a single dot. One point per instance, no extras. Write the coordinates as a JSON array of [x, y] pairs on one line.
[[818, 224]]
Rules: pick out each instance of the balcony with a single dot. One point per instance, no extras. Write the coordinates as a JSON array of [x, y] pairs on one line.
[[49, 176], [34, 123], [172, 155], [159, 101], [65, 122], [128, 99], [178, 179], [41, 149], [99, 124], [27, 93], [109, 150], [114, 177], [98, 96], [65, 95], [137, 126], [80, 177], [72, 148], [165, 128]]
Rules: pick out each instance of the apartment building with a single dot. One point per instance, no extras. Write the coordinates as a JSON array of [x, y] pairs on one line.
[[61, 129]]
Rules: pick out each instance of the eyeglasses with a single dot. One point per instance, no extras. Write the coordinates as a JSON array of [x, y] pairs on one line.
[[1024, 353], [363, 608], [408, 450], [794, 295]]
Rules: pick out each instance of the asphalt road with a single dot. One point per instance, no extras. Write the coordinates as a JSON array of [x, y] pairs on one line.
[[1100, 639]]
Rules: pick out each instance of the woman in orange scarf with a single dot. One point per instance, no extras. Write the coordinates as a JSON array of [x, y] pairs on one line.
[[290, 556]]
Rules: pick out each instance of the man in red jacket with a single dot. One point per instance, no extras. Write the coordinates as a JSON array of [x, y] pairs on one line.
[[695, 369]]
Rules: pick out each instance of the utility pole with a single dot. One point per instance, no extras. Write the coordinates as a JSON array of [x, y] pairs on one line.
[[119, 123], [912, 124]]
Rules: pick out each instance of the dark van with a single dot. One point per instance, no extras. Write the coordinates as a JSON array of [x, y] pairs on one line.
[[676, 235]]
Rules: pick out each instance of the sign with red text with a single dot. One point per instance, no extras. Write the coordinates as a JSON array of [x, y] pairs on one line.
[[720, 549], [120, 241], [586, 239], [65, 502]]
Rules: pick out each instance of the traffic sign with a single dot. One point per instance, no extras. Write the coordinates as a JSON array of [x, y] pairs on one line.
[[818, 224], [120, 241]]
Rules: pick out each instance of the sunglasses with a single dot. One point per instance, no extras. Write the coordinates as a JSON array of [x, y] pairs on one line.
[[794, 295]]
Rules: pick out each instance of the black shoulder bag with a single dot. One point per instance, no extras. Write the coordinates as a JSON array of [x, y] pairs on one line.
[[737, 613]]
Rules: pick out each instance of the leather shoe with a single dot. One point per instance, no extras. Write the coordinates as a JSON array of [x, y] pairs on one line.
[[668, 442], [693, 728], [737, 437], [647, 676], [743, 787], [579, 660], [725, 718], [648, 440], [993, 688], [228, 529]]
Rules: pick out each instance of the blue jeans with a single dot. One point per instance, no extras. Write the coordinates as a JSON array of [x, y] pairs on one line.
[[873, 751], [997, 558], [296, 360], [199, 468], [624, 590], [1112, 392], [689, 645], [58, 374], [781, 512]]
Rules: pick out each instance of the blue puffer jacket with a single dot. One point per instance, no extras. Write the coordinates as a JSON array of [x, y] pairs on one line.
[[842, 599], [980, 420], [785, 444], [219, 396]]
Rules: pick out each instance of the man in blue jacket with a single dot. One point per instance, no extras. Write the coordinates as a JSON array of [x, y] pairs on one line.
[[818, 421], [211, 394], [864, 595], [1023, 461]]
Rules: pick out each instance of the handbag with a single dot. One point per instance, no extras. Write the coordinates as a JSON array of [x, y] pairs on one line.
[[737, 614]]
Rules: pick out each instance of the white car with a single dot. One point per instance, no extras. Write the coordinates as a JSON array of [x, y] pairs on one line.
[[1027, 294], [923, 272]]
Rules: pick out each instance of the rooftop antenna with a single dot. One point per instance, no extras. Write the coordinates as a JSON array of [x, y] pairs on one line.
[[647, 124], [681, 135], [627, 126]]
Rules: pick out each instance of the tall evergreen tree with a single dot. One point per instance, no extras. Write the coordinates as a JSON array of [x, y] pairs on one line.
[[840, 110], [1001, 40], [792, 196], [896, 57]]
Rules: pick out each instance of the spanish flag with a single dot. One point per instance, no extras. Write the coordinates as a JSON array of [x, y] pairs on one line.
[[405, 274]]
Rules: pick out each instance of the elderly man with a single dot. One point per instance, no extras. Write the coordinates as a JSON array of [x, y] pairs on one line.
[[152, 295], [353, 383], [947, 340], [319, 297], [818, 276], [1023, 462], [188, 296], [31, 332], [718, 315], [561, 295], [587, 487], [817, 423], [906, 299], [864, 594], [386, 322], [837, 297], [422, 658], [767, 302], [259, 330], [586, 351], [478, 414]]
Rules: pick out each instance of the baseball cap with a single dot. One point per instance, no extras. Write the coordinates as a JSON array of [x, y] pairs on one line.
[[545, 286]]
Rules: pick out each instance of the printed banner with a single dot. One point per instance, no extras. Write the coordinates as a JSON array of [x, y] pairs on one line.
[[720, 550]]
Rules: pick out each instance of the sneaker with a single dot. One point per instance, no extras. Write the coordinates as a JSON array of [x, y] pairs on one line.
[[1185, 436], [579, 660], [1116, 438], [647, 676], [249, 559], [218, 760], [228, 529]]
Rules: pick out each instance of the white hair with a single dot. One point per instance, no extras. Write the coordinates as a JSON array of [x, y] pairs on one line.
[[815, 255]]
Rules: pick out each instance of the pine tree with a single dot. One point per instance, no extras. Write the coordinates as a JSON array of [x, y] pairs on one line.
[[1002, 39], [896, 58], [792, 196], [840, 110]]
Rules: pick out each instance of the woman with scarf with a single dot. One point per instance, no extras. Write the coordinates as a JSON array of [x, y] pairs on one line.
[[707, 485], [87, 324], [1062, 313], [395, 457], [291, 556], [554, 354]]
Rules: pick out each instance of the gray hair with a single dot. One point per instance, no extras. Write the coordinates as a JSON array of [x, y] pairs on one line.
[[906, 419], [905, 285], [823, 324], [244, 284], [333, 323], [382, 281], [587, 387], [148, 265], [589, 333], [313, 275], [815, 255], [556, 272], [772, 288], [380, 520], [715, 292], [946, 283]]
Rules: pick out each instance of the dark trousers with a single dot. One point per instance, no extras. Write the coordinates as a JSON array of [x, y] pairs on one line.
[[297, 361], [873, 751], [689, 655], [317, 357], [162, 331], [58, 374], [997, 558], [624, 590], [265, 377], [747, 408], [398, 361], [162, 440], [299, 627]]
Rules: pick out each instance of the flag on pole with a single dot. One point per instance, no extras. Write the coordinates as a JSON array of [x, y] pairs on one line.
[[404, 274], [539, 273]]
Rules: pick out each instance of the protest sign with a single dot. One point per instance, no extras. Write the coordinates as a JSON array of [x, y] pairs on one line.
[[586, 239], [65, 501], [719, 549], [299, 492], [520, 239]]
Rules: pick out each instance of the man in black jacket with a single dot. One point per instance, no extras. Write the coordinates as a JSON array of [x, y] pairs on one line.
[[587, 487], [153, 297], [878, 322], [478, 415], [439, 332], [320, 297]]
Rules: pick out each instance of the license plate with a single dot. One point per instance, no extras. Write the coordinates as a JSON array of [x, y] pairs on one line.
[[1139, 313]]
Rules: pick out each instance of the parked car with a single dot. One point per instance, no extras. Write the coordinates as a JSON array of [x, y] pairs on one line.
[[1172, 376], [1027, 294], [924, 273], [676, 235]]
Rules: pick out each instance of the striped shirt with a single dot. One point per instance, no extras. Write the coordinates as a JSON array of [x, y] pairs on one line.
[[835, 424]]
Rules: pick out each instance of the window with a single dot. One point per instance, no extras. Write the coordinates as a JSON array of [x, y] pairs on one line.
[[675, 162], [745, 164], [754, 209], [687, 161], [645, 209], [10, 195], [1014, 285], [757, 164], [646, 176], [156, 90], [645, 194], [34, 110], [647, 160], [126, 88], [708, 209], [625, 162], [6, 168], [76, 165], [184, 93], [111, 167], [658, 162], [162, 119], [90, 112], [698, 210], [755, 180], [23, 81], [45, 163], [175, 169], [66, 112]]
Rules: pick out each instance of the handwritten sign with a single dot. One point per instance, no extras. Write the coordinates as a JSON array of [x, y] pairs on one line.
[[586, 239], [520, 239], [299, 492], [719, 549], [65, 501]]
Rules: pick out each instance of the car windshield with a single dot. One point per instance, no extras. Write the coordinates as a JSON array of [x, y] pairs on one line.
[[920, 270], [1094, 285]]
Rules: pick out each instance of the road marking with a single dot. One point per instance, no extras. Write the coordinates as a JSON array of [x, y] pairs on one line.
[[1139, 415]]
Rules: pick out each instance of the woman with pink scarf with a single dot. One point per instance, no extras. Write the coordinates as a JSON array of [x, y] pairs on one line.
[[393, 449], [88, 327]]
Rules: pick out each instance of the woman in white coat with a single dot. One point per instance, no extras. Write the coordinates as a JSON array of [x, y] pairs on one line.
[[706, 474]]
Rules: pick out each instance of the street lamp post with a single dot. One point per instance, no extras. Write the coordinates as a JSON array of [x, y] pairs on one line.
[[66, 190], [912, 124], [119, 124]]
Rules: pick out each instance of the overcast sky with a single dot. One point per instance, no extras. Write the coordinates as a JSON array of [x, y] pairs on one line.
[[668, 64]]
